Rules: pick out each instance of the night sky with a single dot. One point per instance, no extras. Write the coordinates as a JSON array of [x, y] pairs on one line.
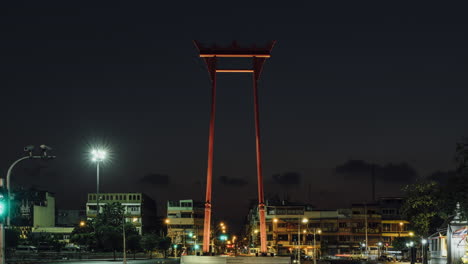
[[348, 85]]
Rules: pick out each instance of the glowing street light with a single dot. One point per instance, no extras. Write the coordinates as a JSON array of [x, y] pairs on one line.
[[98, 156], [304, 221]]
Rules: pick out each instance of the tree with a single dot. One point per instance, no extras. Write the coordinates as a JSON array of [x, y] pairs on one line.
[[132, 238], [149, 242], [422, 205], [105, 231], [164, 243], [399, 243], [84, 235]]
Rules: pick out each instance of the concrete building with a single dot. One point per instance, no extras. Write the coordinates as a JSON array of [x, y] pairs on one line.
[[185, 224], [32, 209], [339, 231], [139, 209]]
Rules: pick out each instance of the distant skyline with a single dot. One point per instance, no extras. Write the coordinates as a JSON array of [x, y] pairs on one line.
[[372, 84]]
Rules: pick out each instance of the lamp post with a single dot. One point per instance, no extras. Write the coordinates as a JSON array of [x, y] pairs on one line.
[[124, 243], [98, 156], [315, 245], [303, 220], [401, 229], [275, 231], [29, 151], [423, 250]]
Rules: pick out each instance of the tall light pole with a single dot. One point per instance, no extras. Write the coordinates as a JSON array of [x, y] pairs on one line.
[[315, 244], [124, 243], [98, 156], [303, 220], [275, 233], [29, 151], [401, 229]]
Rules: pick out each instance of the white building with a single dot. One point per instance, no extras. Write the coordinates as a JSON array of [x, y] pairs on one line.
[[139, 209]]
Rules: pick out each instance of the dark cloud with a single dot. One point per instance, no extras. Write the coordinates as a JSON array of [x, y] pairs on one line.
[[288, 178], [156, 179], [232, 181], [401, 172]]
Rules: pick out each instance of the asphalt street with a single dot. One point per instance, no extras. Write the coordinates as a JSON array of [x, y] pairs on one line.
[[145, 261]]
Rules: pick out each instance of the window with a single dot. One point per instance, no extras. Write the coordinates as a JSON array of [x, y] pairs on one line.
[[342, 224], [282, 237], [133, 208], [344, 238], [138, 197], [186, 204], [269, 237], [186, 215], [386, 227]]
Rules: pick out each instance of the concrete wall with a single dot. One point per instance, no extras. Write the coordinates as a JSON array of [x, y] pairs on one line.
[[44, 216]]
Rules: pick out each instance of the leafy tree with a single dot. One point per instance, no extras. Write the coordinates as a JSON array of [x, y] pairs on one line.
[[105, 232], [164, 243], [422, 205], [84, 235], [150, 242], [399, 243], [132, 238]]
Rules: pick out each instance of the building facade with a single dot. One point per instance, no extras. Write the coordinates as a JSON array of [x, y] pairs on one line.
[[185, 224], [328, 232], [139, 209]]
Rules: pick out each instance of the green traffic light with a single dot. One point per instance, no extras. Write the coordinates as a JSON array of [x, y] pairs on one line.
[[3, 205]]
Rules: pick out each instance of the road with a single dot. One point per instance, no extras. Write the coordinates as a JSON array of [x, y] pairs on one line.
[[130, 261]]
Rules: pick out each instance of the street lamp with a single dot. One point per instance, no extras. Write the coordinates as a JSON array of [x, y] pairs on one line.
[[275, 233], [423, 249], [315, 244], [303, 220], [98, 156], [7, 200]]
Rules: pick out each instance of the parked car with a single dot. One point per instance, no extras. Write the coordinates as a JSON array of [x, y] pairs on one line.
[[26, 249]]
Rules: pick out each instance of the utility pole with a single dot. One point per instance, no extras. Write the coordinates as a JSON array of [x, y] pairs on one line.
[[365, 226], [124, 243]]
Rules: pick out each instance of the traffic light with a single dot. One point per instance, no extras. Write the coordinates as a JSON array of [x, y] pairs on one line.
[[3, 203]]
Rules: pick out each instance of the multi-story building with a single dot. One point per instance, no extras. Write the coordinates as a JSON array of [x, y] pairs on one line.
[[393, 225], [185, 224], [33, 208], [328, 231], [139, 209]]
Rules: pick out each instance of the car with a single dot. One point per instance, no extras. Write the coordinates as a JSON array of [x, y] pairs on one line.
[[26, 249]]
